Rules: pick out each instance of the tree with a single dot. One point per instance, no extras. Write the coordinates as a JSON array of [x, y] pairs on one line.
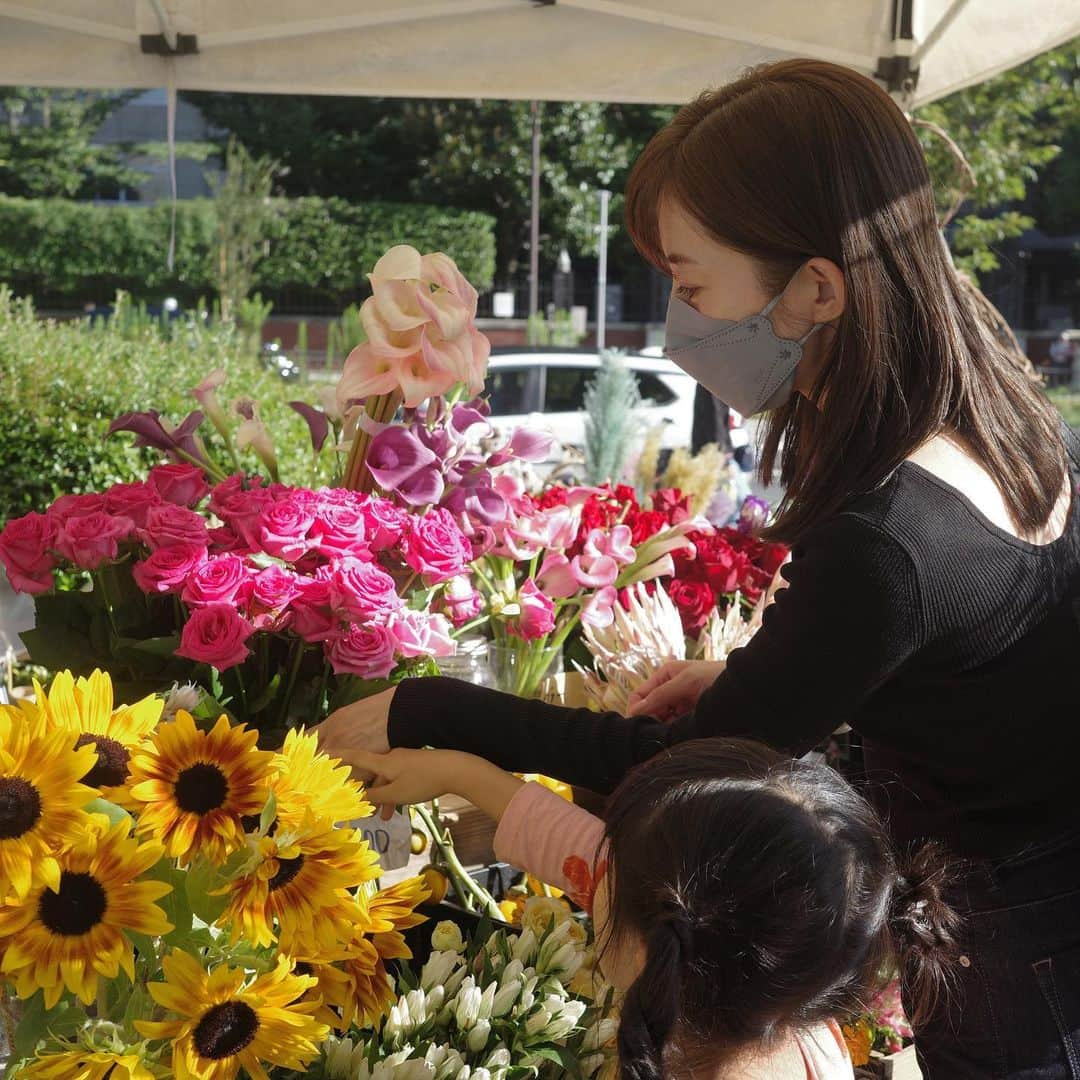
[[1010, 128], [46, 149]]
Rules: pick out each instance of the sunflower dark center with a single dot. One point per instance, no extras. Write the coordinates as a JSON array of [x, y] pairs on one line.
[[200, 788], [77, 908], [302, 967], [111, 769], [20, 806], [225, 1030], [287, 870]]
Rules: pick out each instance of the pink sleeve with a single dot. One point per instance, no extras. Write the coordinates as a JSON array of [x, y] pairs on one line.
[[553, 840], [825, 1052]]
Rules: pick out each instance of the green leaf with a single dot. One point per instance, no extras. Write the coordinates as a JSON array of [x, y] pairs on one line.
[[116, 814], [33, 1024], [155, 646], [267, 695], [175, 904], [200, 880], [269, 814]]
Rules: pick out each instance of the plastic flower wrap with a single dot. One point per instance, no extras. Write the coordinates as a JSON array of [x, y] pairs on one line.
[[178, 902], [493, 1008]]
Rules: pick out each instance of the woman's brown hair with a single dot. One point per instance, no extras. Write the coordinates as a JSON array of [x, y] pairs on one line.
[[805, 158]]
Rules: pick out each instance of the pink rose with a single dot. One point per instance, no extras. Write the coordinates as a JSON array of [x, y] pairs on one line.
[[362, 590], [339, 532], [462, 601], [386, 524], [223, 579], [237, 484], [436, 547], [25, 544], [366, 651], [88, 540], [312, 618], [167, 568], [216, 635], [273, 590], [420, 634], [68, 506], [224, 540], [179, 483], [537, 616], [241, 507], [133, 501], [169, 524], [283, 529]]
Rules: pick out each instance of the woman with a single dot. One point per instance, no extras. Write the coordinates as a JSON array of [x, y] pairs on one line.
[[936, 549]]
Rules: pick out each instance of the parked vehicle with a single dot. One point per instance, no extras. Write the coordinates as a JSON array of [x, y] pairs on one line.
[[544, 387]]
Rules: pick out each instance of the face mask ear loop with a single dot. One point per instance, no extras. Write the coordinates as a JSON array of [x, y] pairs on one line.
[[810, 333]]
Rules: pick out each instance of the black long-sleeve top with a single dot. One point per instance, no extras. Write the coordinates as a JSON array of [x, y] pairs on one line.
[[949, 645]]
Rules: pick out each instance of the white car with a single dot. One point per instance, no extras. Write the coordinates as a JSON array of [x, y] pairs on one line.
[[543, 387]]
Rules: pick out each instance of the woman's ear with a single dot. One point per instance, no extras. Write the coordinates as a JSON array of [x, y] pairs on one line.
[[830, 289]]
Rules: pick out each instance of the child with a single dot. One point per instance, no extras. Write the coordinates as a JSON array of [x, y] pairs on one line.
[[742, 900]]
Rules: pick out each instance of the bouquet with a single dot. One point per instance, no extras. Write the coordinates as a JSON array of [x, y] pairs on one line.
[[177, 902]]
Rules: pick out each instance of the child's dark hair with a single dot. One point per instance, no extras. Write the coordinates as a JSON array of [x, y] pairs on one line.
[[768, 897]]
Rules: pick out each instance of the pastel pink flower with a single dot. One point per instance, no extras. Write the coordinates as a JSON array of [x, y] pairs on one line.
[[179, 483], [463, 602], [216, 635], [168, 568], [612, 543], [599, 609], [596, 573], [169, 524], [283, 529], [133, 501], [537, 616], [557, 577], [365, 651], [419, 634], [435, 547], [361, 590], [25, 544], [222, 579], [88, 540]]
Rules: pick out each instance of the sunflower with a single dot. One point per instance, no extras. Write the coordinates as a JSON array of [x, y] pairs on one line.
[[91, 1065], [41, 800], [224, 1024], [368, 991], [68, 935], [308, 782], [297, 880], [392, 910], [85, 708], [194, 787]]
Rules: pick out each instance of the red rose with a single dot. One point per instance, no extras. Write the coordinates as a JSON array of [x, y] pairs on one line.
[[673, 504], [166, 570], [216, 635], [771, 557], [436, 547], [725, 570], [557, 495], [25, 545], [695, 601], [169, 524], [69, 506], [179, 483]]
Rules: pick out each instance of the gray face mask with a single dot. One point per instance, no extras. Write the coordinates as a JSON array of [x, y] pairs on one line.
[[743, 362]]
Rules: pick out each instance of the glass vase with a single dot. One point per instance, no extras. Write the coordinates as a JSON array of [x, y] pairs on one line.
[[522, 667]]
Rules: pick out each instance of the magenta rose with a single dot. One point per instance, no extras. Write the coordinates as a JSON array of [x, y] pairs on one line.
[[362, 590], [283, 529], [386, 524], [25, 551], [339, 532], [241, 507], [168, 568], [179, 483], [366, 651], [89, 540], [223, 579], [419, 634], [273, 590], [312, 618], [223, 540], [436, 547], [168, 524], [216, 635], [537, 616], [237, 484], [133, 501]]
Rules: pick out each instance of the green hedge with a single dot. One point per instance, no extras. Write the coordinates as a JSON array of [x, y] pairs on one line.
[[62, 384], [76, 251]]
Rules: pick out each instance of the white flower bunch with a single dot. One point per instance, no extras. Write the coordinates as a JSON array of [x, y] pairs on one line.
[[502, 1003]]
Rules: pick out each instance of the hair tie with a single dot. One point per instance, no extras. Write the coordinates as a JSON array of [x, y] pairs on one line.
[[677, 925]]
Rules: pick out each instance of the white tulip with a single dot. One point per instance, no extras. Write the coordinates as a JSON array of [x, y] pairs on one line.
[[478, 1037], [467, 1010], [438, 969]]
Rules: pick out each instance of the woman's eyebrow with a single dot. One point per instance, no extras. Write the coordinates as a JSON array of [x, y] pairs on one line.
[[680, 260]]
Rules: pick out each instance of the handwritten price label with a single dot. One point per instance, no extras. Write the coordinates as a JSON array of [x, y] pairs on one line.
[[388, 839]]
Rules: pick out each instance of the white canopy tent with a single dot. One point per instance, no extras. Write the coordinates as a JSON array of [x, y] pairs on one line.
[[610, 50]]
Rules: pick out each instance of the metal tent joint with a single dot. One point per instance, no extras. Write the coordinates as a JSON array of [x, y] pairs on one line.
[[158, 45]]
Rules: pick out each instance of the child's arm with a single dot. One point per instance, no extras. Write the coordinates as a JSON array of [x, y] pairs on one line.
[[412, 776]]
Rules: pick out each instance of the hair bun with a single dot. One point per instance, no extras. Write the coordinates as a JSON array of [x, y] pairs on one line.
[[925, 925]]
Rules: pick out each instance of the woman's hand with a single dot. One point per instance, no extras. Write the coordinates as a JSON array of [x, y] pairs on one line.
[[673, 690], [360, 726]]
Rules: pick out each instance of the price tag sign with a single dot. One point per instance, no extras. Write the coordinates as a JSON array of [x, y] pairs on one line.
[[388, 839]]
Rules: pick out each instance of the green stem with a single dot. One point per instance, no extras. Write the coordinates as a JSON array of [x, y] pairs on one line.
[[294, 672], [467, 889], [99, 577], [462, 630], [320, 698]]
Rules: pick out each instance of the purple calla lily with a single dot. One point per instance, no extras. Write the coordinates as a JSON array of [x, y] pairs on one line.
[[395, 455], [422, 487], [317, 421]]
